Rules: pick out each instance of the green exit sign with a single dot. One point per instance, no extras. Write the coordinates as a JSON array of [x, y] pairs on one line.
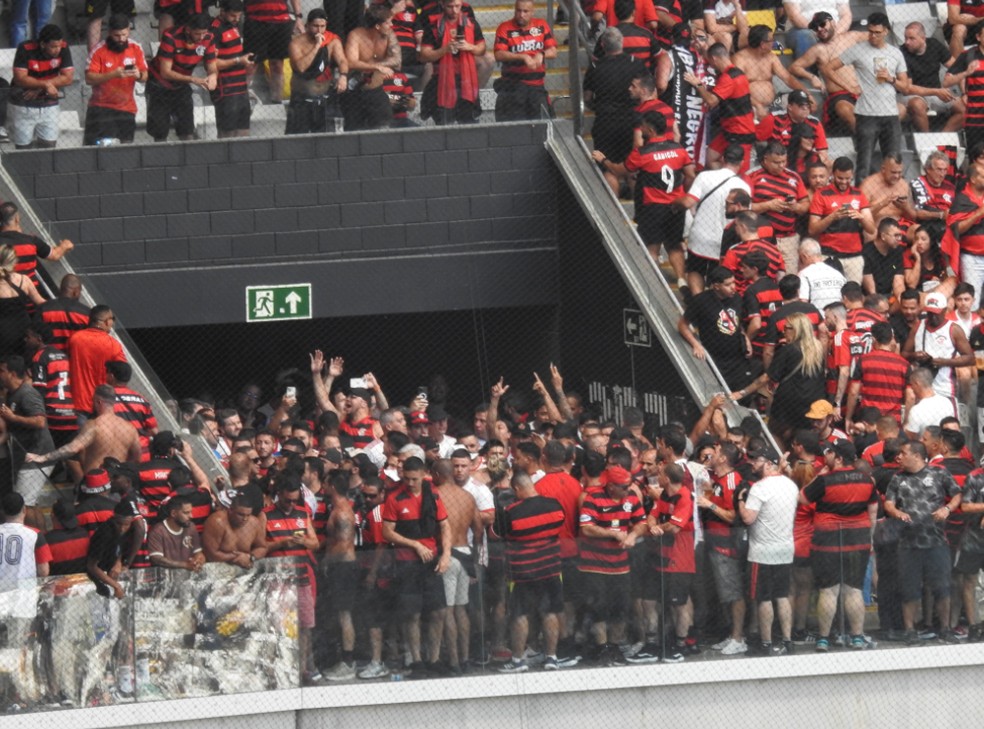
[[276, 303]]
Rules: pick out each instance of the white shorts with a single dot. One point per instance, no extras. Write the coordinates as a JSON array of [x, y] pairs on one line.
[[456, 584], [934, 103], [30, 483], [28, 121]]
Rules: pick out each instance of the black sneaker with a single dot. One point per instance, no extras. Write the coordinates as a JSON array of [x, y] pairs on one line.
[[613, 657], [649, 653], [912, 638], [673, 656], [779, 649]]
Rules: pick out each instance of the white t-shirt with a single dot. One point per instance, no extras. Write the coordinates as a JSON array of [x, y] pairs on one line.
[[876, 99], [21, 548], [705, 232], [821, 284], [483, 502], [929, 411], [770, 537], [809, 8]]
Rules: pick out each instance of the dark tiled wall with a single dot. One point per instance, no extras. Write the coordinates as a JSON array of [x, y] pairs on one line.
[[216, 216]]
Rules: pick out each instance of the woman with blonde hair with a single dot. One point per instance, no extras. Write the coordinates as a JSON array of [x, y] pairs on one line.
[[797, 376], [17, 294]]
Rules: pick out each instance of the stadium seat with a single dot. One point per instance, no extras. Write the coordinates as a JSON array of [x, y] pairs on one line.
[[901, 15], [927, 142], [841, 147]]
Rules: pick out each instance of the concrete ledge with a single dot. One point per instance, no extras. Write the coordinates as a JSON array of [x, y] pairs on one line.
[[928, 686]]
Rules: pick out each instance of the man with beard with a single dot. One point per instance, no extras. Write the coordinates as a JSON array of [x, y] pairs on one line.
[[115, 66], [311, 55], [940, 345], [174, 543]]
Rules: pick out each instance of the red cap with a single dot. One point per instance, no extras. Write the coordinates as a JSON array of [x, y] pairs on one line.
[[616, 475], [419, 417], [96, 481]]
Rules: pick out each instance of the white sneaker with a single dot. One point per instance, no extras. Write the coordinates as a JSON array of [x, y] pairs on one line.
[[721, 645], [3, 134], [533, 657], [342, 672], [374, 670], [734, 647]]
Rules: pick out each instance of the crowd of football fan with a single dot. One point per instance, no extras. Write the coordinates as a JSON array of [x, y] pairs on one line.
[[527, 530], [352, 65]]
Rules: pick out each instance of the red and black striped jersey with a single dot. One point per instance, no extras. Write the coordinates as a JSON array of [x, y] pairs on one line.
[[779, 128], [405, 28], [396, 87], [660, 166], [761, 298], [534, 38], [280, 525], [319, 519], [531, 528], [960, 468], [184, 54], [860, 322], [735, 109], [662, 108], [152, 485], [606, 556], [674, 9], [228, 45], [968, 7], [844, 235], [360, 432], [974, 84], [842, 497], [69, 550], [93, 510], [30, 57], [787, 186], [966, 204], [639, 43], [676, 551], [28, 249], [927, 196], [405, 510], [134, 408], [883, 376], [717, 531], [266, 11], [49, 372], [774, 333], [64, 316], [733, 257]]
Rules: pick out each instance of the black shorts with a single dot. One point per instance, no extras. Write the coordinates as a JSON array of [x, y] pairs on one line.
[[419, 589], [97, 8], [968, 563], [839, 568], [768, 581], [102, 123], [61, 437], [741, 373], [641, 568], [516, 101], [464, 112], [163, 104], [495, 582], [661, 225], [608, 596], [924, 568], [536, 598], [675, 588], [366, 109], [573, 582], [343, 584], [267, 40], [701, 265], [232, 113], [311, 114]]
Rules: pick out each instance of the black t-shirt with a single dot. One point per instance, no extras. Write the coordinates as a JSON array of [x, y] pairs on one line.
[[719, 324], [901, 327], [883, 268], [609, 80], [924, 70]]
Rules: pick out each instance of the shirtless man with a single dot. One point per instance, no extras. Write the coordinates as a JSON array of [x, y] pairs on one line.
[[463, 515], [311, 54], [106, 435], [888, 193], [841, 86], [761, 65], [234, 536], [341, 570], [374, 52]]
